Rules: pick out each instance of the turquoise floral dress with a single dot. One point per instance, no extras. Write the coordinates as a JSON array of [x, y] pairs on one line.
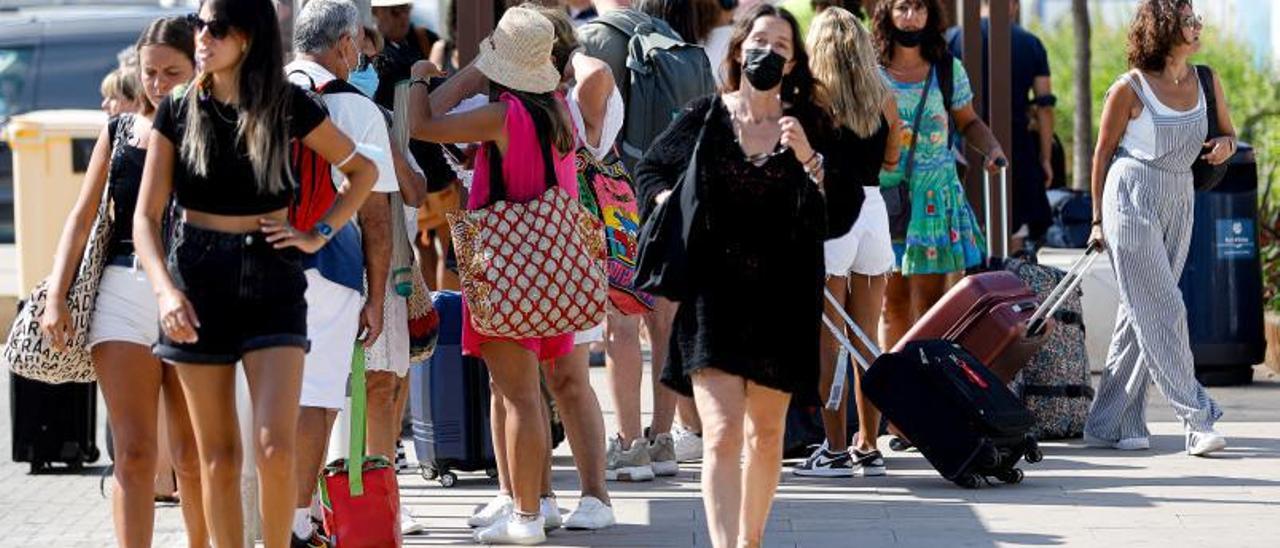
[[943, 235]]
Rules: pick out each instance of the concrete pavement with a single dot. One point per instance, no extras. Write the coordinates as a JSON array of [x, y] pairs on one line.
[[1076, 497]]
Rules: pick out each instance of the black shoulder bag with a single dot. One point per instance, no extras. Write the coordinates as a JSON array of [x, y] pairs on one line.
[[666, 248], [1208, 176], [897, 200]]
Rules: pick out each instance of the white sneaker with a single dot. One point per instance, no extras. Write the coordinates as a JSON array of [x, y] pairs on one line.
[[628, 464], [550, 512], [688, 444], [1126, 444], [497, 508], [1201, 444], [662, 455], [509, 530], [408, 525], [591, 514]]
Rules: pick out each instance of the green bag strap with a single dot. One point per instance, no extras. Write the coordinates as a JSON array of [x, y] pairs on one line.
[[359, 412]]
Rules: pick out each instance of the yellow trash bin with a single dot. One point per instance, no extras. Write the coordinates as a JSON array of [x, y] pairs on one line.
[[51, 151]]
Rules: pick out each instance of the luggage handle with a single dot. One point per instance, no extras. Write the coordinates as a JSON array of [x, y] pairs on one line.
[[1004, 207], [1068, 285], [842, 366]]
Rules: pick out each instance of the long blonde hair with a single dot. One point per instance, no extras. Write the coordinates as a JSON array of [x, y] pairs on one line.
[[842, 57]]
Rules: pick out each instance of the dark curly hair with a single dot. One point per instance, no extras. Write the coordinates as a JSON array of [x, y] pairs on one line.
[[934, 46], [1155, 31], [804, 96]]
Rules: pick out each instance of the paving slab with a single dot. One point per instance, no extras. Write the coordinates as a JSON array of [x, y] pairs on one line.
[[1075, 497]]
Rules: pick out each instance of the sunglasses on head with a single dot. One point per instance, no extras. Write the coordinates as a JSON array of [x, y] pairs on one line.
[[217, 29]]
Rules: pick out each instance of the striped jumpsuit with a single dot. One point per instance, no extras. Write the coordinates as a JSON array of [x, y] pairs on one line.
[[1147, 218]]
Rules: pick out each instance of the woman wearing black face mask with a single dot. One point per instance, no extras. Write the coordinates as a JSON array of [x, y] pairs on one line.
[[761, 176], [941, 233]]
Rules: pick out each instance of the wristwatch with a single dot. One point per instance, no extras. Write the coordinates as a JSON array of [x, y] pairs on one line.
[[423, 81], [324, 230]]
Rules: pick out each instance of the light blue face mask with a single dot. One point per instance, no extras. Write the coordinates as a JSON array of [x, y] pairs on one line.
[[364, 79]]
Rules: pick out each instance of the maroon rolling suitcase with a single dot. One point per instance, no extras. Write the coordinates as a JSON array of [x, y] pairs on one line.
[[994, 315], [987, 314]]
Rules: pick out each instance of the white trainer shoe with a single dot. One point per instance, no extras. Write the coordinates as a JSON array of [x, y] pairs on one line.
[[688, 444], [1126, 444], [497, 508], [550, 512], [408, 525], [1202, 444], [591, 514], [662, 455], [510, 530]]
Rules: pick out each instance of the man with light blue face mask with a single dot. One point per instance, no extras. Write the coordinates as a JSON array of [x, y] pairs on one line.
[[327, 42]]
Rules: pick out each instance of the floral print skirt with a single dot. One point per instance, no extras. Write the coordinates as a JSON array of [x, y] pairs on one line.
[[944, 235]]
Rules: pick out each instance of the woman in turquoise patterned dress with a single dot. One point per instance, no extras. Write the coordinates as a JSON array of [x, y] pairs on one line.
[[942, 236]]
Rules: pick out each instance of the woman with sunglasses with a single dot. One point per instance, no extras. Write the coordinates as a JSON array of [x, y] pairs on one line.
[[232, 289], [935, 232], [745, 340], [1154, 126], [123, 328]]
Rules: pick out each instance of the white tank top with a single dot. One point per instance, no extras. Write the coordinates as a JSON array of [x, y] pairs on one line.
[[1140, 136], [614, 111]]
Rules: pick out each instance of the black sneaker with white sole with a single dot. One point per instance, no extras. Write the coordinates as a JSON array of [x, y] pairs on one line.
[[867, 464], [826, 464]]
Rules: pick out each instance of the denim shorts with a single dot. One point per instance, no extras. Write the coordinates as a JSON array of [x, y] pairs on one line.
[[247, 296]]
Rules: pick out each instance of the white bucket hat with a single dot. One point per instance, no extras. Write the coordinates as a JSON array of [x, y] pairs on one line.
[[518, 53], [391, 3]]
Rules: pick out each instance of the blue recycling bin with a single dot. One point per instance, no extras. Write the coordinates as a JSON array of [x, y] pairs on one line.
[[1222, 282]]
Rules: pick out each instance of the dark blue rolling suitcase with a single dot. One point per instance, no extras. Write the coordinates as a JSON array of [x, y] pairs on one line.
[[449, 402]]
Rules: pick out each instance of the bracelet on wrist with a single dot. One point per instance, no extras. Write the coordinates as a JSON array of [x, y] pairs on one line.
[[1096, 222]]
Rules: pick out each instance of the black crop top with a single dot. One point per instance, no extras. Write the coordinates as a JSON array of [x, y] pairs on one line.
[[124, 179], [230, 187], [863, 155]]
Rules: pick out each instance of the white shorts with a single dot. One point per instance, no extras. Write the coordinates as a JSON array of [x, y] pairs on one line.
[[867, 248], [126, 309], [593, 335], [333, 317], [391, 351]]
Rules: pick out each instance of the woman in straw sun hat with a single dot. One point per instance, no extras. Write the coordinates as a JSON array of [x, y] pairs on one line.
[[515, 67]]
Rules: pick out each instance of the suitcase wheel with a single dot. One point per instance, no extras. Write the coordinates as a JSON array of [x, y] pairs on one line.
[[491, 472], [428, 472], [969, 481], [38, 467], [92, 455], [1011, 476], [1034, 455], [448, 479]]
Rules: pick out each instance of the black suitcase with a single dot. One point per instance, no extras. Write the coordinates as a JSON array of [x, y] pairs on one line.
[[53, 423], [959, 414]]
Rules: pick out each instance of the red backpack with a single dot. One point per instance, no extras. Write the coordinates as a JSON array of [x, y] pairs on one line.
[[316, 190]]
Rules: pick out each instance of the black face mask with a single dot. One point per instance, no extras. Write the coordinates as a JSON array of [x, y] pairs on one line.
[[763, 68], [908, 38]]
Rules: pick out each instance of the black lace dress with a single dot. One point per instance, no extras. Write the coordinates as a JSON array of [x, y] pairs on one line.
[[758, 259]]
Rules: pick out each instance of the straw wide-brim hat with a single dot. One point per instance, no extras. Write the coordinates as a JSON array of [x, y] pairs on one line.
[[518, 53]]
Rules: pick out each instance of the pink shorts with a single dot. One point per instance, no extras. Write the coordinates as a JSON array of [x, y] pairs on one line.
[[546, 348]]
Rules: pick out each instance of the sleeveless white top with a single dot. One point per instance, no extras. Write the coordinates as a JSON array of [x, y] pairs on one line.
[[1140, 136], [614, 112]]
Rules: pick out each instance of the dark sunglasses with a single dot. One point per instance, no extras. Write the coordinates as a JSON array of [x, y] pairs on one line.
[[217, 29]]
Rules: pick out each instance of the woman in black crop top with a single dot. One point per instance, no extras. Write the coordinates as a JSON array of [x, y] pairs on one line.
[[232, 289], [844, 60], [123, 325]]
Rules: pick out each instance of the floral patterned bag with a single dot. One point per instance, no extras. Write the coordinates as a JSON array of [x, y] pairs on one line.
[[605, 189]]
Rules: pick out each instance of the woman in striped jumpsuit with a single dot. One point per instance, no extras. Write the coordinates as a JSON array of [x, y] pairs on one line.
[[1154, 126]]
